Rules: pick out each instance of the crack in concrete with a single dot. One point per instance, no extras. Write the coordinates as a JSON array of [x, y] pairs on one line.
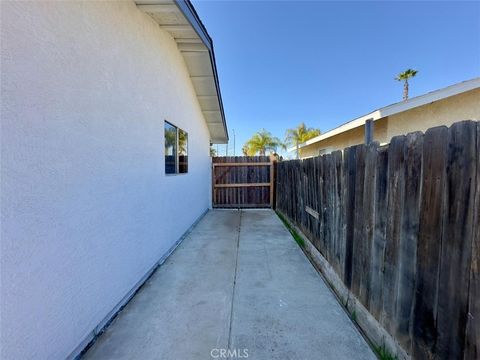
[[234, 281]]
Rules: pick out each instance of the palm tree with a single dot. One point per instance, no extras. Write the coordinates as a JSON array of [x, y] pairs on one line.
[[299, 135], [213, 152], [261, 142], [404, 76]]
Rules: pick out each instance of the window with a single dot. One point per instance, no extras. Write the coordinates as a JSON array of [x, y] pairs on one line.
[[182, 152], [170, 149], [176, 150]]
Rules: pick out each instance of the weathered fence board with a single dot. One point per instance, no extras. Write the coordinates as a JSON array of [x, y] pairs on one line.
[[350, 183], [456, 240], [339, 229], [358, 239], [379, 234], [472, 336], [429, 242], [400, 224], [368, 207], [395, 206], [407, 254]]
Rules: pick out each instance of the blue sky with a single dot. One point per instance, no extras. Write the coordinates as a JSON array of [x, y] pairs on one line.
[[324, 63]]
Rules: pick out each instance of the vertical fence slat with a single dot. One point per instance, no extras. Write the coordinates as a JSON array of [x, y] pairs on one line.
[[358, 246], [408, 238], [350, 176], [429, 242], [338, 235], [379, 234], [457, 240], [324, 207], [472, 336], [368, 209], [396, 194], [330, 208]]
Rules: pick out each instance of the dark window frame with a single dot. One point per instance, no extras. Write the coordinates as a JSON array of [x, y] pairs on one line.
[[182, 166], [177, 155]]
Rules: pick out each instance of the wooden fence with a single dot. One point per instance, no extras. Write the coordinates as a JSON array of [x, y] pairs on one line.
[[242, 181], [400, 224]]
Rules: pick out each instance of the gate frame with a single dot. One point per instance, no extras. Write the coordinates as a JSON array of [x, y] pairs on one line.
[[270, 184]]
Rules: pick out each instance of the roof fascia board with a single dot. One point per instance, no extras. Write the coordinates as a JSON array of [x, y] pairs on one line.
[[192, 18], [219, 94], [191, 15]]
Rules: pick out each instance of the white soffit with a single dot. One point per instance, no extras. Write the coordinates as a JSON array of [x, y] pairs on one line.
[[179, 19]]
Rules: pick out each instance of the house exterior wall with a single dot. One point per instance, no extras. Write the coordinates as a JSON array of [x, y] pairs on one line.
[[464, 106], [86, 208]]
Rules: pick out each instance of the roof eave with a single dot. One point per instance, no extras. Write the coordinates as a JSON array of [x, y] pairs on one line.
[[191, 15], [179, 18]]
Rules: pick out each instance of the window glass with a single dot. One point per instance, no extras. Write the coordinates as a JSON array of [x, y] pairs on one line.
[[170, 148], [176, 150], [182, 152]]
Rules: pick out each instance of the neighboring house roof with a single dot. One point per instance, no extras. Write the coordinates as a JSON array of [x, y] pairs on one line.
[[398, 108], [179, 18]]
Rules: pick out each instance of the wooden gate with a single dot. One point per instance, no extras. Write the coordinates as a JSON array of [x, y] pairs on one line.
[[243, 182]]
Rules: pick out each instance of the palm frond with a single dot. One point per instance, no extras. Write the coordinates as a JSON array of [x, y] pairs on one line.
[[300, 134], [261, 142], [405, 75]]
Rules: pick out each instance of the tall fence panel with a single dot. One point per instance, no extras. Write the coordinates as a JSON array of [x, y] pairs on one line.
[[400, 226]]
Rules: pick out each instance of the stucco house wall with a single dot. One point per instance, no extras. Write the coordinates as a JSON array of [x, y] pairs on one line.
[[86, 207], [464, 106]]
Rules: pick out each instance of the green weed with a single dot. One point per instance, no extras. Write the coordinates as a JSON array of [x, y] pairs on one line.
[[354, 315], [384, 354], [292, 231]]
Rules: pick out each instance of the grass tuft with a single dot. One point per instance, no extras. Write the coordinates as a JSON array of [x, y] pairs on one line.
[[292, 231], [384, 354], [354, 315]]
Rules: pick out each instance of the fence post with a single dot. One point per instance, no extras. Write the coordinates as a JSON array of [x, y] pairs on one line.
[[272, 188], [368, 131]]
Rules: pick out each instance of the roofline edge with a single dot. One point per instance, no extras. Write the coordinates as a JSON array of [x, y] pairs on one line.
[[186, 7], [469, 85]]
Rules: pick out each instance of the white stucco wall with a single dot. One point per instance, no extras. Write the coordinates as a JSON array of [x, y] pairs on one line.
[[86, 208]]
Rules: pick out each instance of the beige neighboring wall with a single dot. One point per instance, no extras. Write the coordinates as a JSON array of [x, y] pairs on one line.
[[345, 139], [464, 106]]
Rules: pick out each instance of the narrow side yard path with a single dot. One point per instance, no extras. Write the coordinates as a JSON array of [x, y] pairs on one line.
[[238, 281]]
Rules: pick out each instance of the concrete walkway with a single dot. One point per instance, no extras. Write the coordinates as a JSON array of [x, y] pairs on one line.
[[240, 282]]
